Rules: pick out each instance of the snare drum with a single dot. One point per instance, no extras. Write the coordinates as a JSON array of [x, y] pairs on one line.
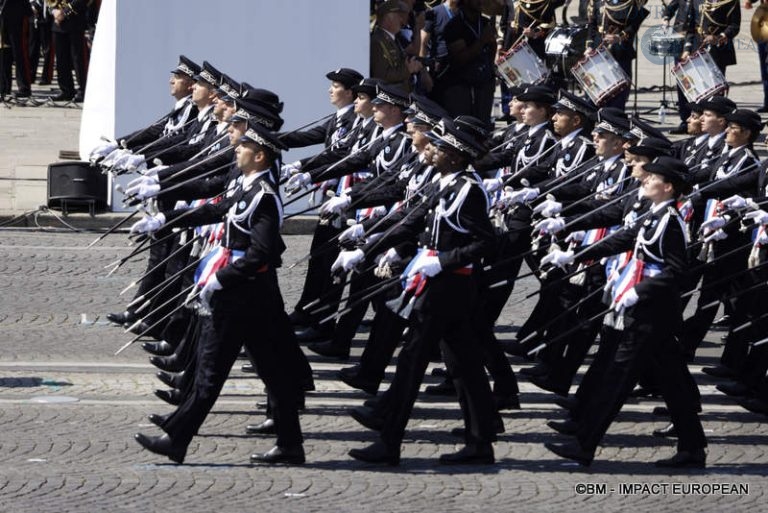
[[564, 47], [600, 76], [521, 65], [699, 77], [666, 44]]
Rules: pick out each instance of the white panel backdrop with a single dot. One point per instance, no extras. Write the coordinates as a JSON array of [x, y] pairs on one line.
[[286, 46]]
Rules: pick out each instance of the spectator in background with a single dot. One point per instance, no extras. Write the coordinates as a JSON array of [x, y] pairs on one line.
[[389, 62], [433, 46], [14, 25], [762, 57], [41, 42], [470, 81], [69, 24]]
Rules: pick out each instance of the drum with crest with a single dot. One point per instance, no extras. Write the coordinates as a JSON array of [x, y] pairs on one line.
[[600, 76], [699, 77], [521, 65]]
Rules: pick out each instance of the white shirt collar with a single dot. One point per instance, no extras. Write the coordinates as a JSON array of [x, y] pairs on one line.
[[389, 131], [204, 113], [340, 112], [248, 180], [658, 206], [445, 180], [536, 128], [734, 150], [570, 137], [700, 139], [714, 138], [180, 103], [607, 163]]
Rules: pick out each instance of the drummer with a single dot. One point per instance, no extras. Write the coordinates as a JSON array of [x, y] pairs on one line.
[[613, 26], [532, 20], [684, 14]]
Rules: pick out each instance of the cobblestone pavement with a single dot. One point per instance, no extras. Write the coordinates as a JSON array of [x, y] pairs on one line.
[[69, 409]]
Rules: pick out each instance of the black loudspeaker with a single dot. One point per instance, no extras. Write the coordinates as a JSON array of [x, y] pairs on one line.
[[72, 184]]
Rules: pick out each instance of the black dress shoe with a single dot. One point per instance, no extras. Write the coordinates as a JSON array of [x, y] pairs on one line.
[[330, 349], [569, 403], [440, 372], [669, 431], [169, 379], [157, 420], [566, 427], [474, 454], [661, 411], [443, 389], [172, 397], [685, 459], [367, 418], [719, 371], [734, 389], [141, 328], [248, 368], [515, 348], [299, 318], [722, 322], [122, 318], [355, 381], [506, 402], [572, 451], [286, 455], [312, 334], [680, 129], [640, 391], [161, 348], [63, 97], [545, 383], [167, 363], [162, 445], [762, 110], [753, 404], [265, 428], [377, 452], [540, 369], [78, 98]]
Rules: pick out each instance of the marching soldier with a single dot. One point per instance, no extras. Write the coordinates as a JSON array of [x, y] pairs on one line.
[[245, 303]]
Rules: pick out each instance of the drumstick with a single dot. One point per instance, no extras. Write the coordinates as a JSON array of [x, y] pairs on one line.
[[522, 35]]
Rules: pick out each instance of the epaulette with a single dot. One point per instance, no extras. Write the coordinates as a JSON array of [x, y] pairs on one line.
[[267, 187]]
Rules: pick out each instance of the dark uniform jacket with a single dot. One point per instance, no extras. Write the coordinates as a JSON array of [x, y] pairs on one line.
[[175, 122], [715, 18], [620, 17], [329, 133]]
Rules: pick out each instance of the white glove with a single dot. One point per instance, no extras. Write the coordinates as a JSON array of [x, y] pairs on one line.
[[335, 205], [211, 286], [103, 150], [577, 236], [758, 216], [550, 225], [716, 235], [149, 224], [348, 259], [115, 157], [735, 201], [290, 169], [153, 173], [548, 208], [428, 266], [558, 258], [389, 257], [524, 195], [628, 299], [353, 233], [713, 224], [492, 184], [297, 182], [135, 163], [143, 190]]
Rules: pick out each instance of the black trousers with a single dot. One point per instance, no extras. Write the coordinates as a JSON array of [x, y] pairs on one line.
[[640, 347], [71, 55], [319, 280], [41, 47], [16, 32], [253, 315], [442, 314]]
